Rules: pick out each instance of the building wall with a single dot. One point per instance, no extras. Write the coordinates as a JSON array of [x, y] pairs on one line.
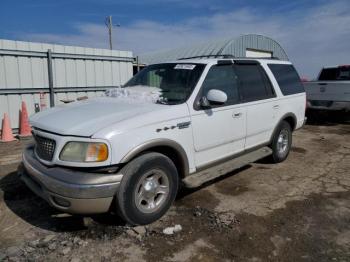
[[80, 72]]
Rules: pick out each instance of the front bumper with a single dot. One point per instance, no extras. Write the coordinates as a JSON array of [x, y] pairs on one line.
[[69, 190]]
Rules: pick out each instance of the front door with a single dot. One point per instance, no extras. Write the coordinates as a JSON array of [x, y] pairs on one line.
[[219, 131]]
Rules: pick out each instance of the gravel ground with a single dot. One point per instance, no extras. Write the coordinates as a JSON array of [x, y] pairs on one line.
[[298, 210]]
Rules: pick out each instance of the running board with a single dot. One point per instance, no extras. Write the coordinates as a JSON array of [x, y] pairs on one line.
[[197, 179]]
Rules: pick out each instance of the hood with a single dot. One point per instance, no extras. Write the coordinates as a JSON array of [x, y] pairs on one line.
[[87, 117]]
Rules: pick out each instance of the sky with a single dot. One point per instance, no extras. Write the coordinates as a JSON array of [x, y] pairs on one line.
[[314, 33]]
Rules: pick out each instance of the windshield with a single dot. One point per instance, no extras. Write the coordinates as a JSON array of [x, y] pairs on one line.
[[174, 81]]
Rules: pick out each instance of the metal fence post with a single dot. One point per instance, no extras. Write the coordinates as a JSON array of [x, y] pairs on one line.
[[137, 64], [50, 78]]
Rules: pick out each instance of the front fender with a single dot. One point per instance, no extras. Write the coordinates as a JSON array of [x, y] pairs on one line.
[[160, 142]]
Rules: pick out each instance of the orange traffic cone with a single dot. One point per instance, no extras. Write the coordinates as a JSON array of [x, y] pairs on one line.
[[24, 127], [6, 131]]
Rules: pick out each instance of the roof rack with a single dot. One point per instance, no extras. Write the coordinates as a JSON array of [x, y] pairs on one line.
[[226, 56], [272, 57], [208, 56]]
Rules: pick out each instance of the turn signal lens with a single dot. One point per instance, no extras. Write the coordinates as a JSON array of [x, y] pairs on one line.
[[96, 152]]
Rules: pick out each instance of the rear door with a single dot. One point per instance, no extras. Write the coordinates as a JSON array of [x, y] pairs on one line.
[[259, 99]]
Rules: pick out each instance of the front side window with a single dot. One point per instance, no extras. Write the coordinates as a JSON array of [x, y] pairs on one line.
[[287, 79], [253, 83], [175, 82], [222, 77]]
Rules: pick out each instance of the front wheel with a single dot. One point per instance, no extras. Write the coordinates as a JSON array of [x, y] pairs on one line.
[[281, 142], [148, 188]]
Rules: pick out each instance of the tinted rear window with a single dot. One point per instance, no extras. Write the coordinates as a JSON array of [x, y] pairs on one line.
[[253, 83], [335, 73], [287, 79]]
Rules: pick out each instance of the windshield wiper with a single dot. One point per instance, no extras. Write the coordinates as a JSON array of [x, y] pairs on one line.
[[162, 102]]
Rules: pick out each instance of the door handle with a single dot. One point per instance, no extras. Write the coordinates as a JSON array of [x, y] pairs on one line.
[[276, 107], [236, 115]]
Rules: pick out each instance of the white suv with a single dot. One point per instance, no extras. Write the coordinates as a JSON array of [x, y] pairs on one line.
[[186, 121]]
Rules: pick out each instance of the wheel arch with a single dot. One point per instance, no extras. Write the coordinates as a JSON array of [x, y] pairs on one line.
[[290, 118], [167, 147]]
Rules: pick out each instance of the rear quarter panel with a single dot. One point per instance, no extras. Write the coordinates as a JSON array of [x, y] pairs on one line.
[[288, 104], [294, 104]]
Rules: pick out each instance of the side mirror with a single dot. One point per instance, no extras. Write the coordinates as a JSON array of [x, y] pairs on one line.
[[216, 96]]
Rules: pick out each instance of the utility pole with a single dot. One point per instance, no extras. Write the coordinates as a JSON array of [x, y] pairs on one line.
[[110, 25]]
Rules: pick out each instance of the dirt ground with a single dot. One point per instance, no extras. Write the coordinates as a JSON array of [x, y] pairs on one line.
[[298, 210]]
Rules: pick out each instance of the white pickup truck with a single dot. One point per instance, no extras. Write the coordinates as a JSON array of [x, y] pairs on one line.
[[331, 91], [177, 123]]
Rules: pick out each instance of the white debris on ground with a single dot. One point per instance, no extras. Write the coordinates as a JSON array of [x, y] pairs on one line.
[[172, 230], [136, 94]]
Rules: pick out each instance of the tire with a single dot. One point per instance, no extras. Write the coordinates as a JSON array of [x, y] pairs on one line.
[[281, 142], [142, 197]]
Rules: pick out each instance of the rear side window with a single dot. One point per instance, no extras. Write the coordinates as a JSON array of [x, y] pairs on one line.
[[344, 73], [287, 78], [253, 83]]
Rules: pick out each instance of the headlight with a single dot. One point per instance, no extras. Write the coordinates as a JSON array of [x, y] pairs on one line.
[[84, 152]]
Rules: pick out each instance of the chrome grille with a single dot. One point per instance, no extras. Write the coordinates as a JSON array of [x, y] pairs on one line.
[[44, 147]]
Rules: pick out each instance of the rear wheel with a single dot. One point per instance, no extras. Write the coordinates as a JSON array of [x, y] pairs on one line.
[[281, 142], [148, 188]]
